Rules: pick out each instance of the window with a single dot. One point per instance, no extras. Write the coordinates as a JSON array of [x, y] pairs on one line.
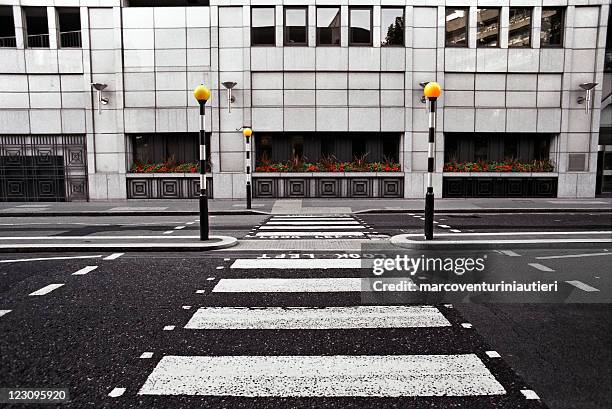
[[7, 27], [263, 26], [328, 26], [457, 27], [296, 26], [392, 23], [166, 3], [69, 20], [174, 148], [552, 27], [519, 33], [37, 28], [488, 28], [360, 26]]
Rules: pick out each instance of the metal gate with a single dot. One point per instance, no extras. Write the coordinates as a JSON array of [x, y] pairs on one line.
[[43, 168]]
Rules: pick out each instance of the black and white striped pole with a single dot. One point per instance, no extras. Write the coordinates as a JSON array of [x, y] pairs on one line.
[[432, 91], [248, 132], [202, 95]]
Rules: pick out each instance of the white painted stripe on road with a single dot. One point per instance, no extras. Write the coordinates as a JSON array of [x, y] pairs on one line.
[[312, 223], [308, 233], [317, 318], [455, 231], [279, 263], [84, 270], [582, 286], [113, 256], [47, 289], [493, 354], [307, 216], [168, 232], [322, 376], [146, 355], [21, 260], [115, 393], [574, 256], [518, 233], [466, 325], [179, 227], [444, 226], [287, 285], [169, 328], [510, 253], [330, 227], [541, 267], [529, 394], [4, 312]]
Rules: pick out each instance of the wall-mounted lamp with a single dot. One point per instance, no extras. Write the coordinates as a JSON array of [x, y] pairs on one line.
[[423, 84], [586, 100], [101, 101], [230, 99]]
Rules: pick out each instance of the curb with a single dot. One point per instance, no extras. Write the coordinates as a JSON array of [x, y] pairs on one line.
[[491, 210], [225, 242], [137, 213], [404, 242]]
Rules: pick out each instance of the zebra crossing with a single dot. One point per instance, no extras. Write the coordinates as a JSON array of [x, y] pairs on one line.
[[342, 226], [295, 329]]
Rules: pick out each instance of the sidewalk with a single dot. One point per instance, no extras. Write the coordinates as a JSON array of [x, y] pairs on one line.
[[299, 206]]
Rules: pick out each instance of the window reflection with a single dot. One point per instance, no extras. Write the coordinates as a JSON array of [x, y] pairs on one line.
[[488, 28], [456, 27], [328, 26], [552, 27], [392, 26], [262, 26], [360, 31], [295, 26], [519, 33]]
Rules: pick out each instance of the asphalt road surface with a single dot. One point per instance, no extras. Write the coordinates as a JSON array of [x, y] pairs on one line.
[[250, 329]]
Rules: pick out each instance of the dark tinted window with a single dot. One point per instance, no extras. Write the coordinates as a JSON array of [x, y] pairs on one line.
[[392, 26], [328, 25], [360, 26], [37, 28], [69, 20], [262, 26], [7, 27], [296, 26], [552, 27], [488, 28], [456, 27], [519, 32], [608, 57]]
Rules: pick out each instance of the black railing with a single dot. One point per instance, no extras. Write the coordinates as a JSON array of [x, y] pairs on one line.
[[38, 41], [8, 42], [70, 39]]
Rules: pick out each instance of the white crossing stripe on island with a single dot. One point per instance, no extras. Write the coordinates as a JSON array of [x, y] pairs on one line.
[[582, 286], [309, 233], [302, 285], [322, 376], [300, 223], [220, 318], [287, 285], [328, 227], [47, 289], [316, 263]]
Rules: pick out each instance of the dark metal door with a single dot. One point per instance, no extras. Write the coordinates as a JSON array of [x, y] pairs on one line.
[[43, 168]]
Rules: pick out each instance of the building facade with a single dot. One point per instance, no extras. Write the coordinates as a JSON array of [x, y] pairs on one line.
[[96, 97]]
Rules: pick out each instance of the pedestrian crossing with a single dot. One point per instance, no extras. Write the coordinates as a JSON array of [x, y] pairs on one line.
[[269, 344], [342, 226]]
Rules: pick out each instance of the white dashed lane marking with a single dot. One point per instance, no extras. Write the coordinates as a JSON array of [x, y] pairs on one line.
[[47, 289], [541, 267], [115, 393], [169, 328], [4, 312], [22, 260], [146, 355], [510, 253], [529, 394], [179, 227], [84, 270], [582, 286], [574, 256], [493, 354], [113, 256]]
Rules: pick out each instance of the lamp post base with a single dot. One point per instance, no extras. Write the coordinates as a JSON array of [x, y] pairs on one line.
[[203, 216], [429, 214]]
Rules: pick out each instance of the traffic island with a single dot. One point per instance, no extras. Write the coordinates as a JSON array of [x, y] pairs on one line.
[[504, 240], [113, 243]]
